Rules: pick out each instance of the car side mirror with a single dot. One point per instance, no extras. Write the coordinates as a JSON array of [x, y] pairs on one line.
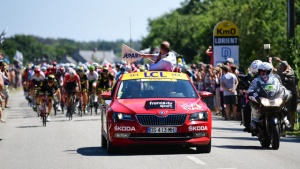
[[205, 94], [106, 95]]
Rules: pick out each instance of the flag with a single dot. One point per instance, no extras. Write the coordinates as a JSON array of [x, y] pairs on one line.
[[18, 56], [2, 38], [130, 55]]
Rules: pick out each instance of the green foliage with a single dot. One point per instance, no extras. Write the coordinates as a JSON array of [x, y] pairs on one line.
[[38, 49], [189, 29]]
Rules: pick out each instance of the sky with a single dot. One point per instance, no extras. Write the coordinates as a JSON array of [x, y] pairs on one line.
[[82, 20]]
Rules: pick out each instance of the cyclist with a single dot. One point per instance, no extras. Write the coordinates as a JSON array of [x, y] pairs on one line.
[[59, 76], [25, 81], [50, 86], [84, 85], [105, 81], [92, 77], [71, 84], [35, 79]]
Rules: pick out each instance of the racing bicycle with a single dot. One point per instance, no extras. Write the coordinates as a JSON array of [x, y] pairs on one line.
[[80, 105], [43, 108], [71, 107], [55, 104], [92, 103]]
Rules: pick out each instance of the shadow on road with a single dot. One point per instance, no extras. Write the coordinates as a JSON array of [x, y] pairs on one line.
[[24, 127], [88, 120], [136, 150], [239, 147], [229, 129]]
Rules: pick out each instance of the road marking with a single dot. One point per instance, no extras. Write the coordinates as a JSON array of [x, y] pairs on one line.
[[196, 160]]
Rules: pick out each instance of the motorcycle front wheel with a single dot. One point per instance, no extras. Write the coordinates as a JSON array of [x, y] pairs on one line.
[[275, 137]]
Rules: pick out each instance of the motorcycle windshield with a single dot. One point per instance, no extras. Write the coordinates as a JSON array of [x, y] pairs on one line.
[[270, 91]]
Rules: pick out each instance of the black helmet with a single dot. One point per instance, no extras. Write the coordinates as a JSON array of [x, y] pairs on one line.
[[51, 78]]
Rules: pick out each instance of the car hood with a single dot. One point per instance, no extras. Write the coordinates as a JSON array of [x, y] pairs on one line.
[[150, 106]]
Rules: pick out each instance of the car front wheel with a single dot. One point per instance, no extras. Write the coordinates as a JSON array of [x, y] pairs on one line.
[[204, 148]]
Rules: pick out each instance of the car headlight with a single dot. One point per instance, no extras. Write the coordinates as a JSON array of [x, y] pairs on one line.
[[122, 116], [268, 102], [202, 116]]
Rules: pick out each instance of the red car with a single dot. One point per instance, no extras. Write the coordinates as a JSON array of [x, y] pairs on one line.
[[155, 108]]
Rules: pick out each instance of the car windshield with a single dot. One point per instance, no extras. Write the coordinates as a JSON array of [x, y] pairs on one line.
[[156, 89]]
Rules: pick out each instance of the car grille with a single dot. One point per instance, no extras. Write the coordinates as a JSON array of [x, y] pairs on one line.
[[154, 120], [161, 136]]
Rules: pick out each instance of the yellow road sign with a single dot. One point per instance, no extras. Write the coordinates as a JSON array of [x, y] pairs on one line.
[[226, 28]]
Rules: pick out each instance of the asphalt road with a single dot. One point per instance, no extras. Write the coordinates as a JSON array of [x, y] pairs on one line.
[[26, 144]]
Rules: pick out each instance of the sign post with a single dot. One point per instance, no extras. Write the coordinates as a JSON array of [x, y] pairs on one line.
[[226, 42]]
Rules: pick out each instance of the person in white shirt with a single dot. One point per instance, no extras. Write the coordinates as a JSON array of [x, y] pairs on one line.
[[164, 60]]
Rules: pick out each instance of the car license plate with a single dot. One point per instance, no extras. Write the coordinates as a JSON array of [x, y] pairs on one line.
[[162, 130]]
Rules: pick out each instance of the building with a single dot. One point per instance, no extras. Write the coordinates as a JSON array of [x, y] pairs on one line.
[[91, 56]]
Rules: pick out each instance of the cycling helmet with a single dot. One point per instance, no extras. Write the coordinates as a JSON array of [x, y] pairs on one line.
[[95, 64], [71, 72], [61, 69], [91, 68], [105, 69], [118, 65], [43, 68], [122, 69], [254, 66], [80, 68], [37, 70], [51, 78]]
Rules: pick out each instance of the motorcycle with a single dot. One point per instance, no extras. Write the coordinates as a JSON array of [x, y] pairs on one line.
[[269, 110]]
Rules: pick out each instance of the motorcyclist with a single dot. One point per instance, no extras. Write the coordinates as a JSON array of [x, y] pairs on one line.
[[245, 82], [265, 76]]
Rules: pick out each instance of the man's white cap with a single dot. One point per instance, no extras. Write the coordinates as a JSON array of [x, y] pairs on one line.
[[230, 60]]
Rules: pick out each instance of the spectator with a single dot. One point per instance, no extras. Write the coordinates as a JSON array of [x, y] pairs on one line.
[[6, 79], [229, 84], [1, 89], [165, 60], [218, 73], [209, 52], [288, 79], [209, 84]]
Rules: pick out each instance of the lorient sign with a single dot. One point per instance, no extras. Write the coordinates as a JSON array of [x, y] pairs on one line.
[[226, 42]]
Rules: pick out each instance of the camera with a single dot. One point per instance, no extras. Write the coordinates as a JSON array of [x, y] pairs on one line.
[[267, 46]]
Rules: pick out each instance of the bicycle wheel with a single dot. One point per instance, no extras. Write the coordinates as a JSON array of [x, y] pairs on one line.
[[44, 114], [91, 104], [96, 107], [55, 107], [79, 107], [37, 108], [71, 107], [62, 108]]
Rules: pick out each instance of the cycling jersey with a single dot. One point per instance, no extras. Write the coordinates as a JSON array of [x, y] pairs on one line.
[[36, 80], [92, 76], [104, 81], [71, 83], [45, 87], [83, 81]]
